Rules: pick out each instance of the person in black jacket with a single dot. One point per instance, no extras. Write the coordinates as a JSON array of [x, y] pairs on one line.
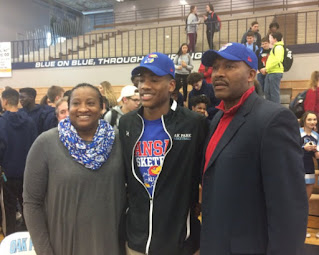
[[162, 145], [17, 133], [210, 19], [255, 29]]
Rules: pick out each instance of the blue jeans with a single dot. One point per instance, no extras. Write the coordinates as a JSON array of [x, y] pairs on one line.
[[271, 89], [261, 80]]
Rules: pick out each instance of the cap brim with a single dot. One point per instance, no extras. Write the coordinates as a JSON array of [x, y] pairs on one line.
[[153, 69], [210, 56]]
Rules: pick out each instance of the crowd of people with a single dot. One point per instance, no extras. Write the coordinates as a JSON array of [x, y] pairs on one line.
[[96, 174]]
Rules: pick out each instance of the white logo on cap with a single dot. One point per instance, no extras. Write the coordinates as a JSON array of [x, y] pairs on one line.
[[225, 46]]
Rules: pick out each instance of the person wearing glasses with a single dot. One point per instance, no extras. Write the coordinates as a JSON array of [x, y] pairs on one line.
[[130, 101]]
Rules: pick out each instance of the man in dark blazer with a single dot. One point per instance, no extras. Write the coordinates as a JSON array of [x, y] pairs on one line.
[[254, 197]]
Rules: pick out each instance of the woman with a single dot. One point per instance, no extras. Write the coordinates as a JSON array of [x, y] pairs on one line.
[[192, 24], [311, 102], [106, 90], [209, 19], [310, 147], [183, 66], [74, 188]]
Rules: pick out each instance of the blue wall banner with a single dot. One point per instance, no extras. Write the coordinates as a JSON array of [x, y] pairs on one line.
[[89, 62]]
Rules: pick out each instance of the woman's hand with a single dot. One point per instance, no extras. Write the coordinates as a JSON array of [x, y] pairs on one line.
[[310, 147], [184, 64], [179, 67]]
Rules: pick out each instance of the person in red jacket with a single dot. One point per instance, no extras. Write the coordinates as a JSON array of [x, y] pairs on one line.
[[207, 71], [311, 103]]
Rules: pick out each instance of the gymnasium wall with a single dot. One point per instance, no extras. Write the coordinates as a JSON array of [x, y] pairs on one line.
[[304, 65]]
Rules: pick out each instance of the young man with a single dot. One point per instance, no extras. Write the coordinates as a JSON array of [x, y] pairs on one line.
[[200, 87], [250, 44], [255, 29], [130, 101], [17, 133], [254, 197], [37, 112], [199, 104], [274, 68], [162, 146], [262, 55]]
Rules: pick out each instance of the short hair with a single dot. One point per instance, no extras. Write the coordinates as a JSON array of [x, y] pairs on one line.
[[250, 33], [199, 99], [254, 23], [277, 36], [53, 92], [194, 77], [304, 117], [12, 96], [59, 102], [265, 39], [81, 85], [274, 24], [29, 91]]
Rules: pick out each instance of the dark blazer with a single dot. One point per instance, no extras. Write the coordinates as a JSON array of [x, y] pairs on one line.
[[254, 196]]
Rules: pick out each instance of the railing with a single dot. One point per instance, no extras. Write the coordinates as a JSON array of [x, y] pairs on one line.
[[297, 28], [225, 7]]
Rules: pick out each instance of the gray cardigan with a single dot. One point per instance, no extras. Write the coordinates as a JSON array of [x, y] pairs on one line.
[[69, 209]]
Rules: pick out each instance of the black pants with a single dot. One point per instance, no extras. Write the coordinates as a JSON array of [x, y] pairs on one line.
[[181, 81], [12, 191], [210, 38]]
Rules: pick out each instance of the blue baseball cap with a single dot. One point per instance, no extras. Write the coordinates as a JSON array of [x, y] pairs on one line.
[[234, 52], [158, 63]]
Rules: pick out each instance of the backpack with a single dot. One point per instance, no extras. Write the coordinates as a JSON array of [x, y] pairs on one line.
[[288, 58], [218, 24], [113, 117], [297, 105]]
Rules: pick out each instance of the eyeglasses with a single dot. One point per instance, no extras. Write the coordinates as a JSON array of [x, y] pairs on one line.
[[135, 100]]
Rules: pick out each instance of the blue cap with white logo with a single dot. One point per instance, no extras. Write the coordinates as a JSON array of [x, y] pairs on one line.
[[158, 63], [234, 52]]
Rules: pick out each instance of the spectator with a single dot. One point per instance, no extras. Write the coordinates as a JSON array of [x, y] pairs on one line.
[[250, 44], [54, 93], [207, 72], [273, 27], [35, 111], [200, 87], [135, 80], [192, 22], [253, 162], [162, 149], [311, 103], [17, 133], [274, 68], [262, 55], [62, 109], [199, 104], [74, 185], [254, 28], [130, 101], [106, 90], [210, 19], [310, 146], [183, 65]]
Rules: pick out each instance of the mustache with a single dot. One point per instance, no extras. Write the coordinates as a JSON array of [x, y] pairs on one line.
[[219, 80]]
